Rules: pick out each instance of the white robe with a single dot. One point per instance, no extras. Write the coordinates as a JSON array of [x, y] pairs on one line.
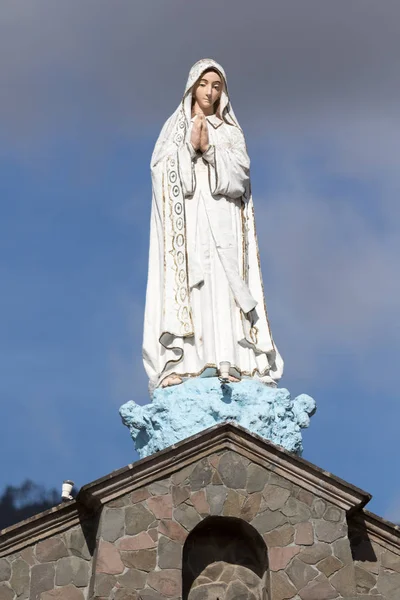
[[204, 272]]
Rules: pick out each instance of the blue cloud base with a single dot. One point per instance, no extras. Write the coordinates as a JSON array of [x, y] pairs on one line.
[[180, 411]]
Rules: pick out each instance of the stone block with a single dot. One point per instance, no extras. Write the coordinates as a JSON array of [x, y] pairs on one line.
[[200, 580], [209, 591], [314, 554], [142, 541], [247, 576], [112, 524], [329, 532], [341, 549], [215, 570], [153, 533], [187, 516], [72, 570], [275, 479], [77, 544], [296, 511], [334, 514], [120, 502], [232, 504], [330, 565], [364, 581], [137, 519], [281, 587], [201, 475], [251, 506], [305, 497], [268, 520], [390, 561], [199, 501], [143, 560], [237, 590], [301, 574], [6, 593], [257, 477], [182, 476], [122, 594], [275, 496], [318, 590], [69, 592], [304, 535], [42, 580], [374, 595], [232, 470], [51, 549], [179, 494], [282, 536], [173, 530], [103, 585], [216, 479], [139, 495], [389, 585], [160, 506], [109, 559], [20, 577], [318, 508], [214, 460], [133, 579], [150, 594], [28, 555], [159, 488], [279, 558], [216, 495], [344, 581], [169, 554], [167, 582], [5, 569]]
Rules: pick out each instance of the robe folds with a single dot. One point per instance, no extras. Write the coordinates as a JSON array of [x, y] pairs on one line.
[[205, 298]]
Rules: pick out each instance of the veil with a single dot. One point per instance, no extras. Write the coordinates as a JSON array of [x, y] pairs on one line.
[[174, 131]]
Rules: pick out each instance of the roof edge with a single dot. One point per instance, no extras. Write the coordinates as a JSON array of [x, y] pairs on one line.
[[40, 526], [227, 435], [381, 531]]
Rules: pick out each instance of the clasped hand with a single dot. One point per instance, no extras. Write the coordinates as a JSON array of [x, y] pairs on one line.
[[199, 137]]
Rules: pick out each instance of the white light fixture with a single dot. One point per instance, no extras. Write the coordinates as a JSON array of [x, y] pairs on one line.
[[224, 367], [66, 490]]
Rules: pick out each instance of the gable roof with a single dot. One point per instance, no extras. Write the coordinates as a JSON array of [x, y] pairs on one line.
[[225, 436]]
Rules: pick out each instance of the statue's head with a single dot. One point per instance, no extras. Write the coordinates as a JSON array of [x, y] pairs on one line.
[[207, 90]]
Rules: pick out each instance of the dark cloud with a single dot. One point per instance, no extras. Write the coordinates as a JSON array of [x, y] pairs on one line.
[[118, 66]]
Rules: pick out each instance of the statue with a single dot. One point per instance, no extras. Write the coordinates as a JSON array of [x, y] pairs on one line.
[[205, 310], [207, 348]]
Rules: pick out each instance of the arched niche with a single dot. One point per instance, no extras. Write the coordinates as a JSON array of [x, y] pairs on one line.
[[219, 551]]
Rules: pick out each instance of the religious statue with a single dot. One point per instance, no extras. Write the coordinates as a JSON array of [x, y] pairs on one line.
[[205, 310]]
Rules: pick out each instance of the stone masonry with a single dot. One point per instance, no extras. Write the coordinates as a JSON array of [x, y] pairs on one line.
[[126, 535]]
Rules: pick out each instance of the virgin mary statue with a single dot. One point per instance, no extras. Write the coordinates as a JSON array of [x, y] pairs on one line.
[[205, 309]]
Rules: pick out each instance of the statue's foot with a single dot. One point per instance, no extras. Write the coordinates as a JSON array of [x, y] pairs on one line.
[[233, 379], [171, 380]]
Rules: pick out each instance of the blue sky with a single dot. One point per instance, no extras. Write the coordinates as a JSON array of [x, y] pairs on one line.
[[84, 90]]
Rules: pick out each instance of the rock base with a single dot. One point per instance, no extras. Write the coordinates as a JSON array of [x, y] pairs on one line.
[[180, 411]]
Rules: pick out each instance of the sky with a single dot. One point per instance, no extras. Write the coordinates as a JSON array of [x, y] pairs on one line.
[[84, 90]]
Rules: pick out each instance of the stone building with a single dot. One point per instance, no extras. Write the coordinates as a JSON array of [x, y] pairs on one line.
[[222, 515]]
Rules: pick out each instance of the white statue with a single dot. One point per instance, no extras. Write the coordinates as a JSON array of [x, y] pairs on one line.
[[205, 310]]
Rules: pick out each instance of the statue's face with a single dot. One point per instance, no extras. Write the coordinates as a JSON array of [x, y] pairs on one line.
[[207, 91]]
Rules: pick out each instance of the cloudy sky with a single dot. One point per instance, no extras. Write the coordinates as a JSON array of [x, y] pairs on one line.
[[85, 87]]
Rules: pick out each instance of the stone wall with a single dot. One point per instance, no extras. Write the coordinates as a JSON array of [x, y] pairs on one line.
[[225, 525], [142, 534], [58, 567], [377, 566]]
